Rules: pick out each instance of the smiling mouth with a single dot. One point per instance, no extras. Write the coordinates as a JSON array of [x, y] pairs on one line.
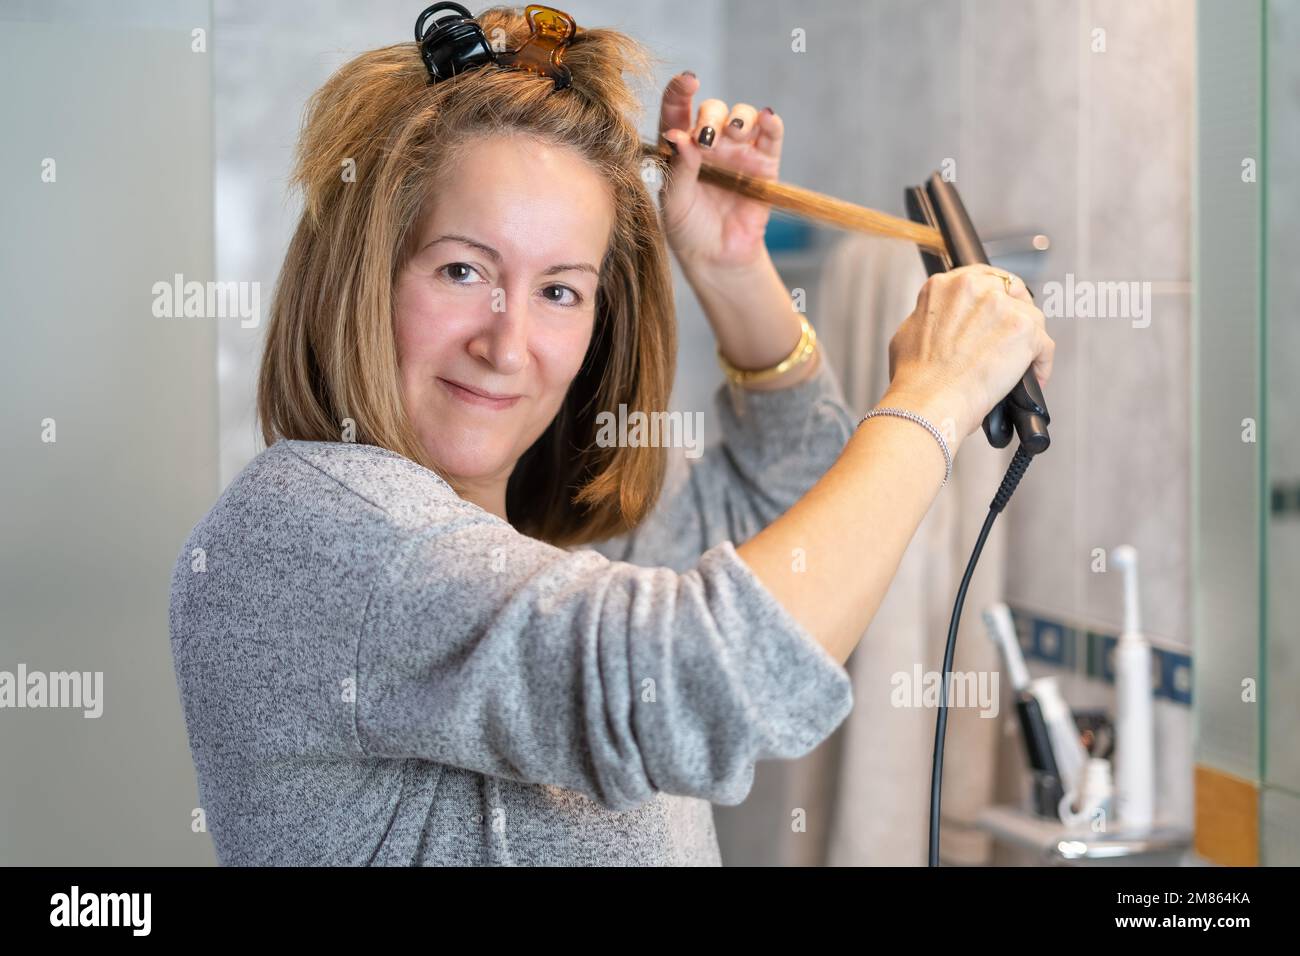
[[473, 397]]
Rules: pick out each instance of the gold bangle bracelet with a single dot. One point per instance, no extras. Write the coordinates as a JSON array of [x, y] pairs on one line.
[[802, 352]]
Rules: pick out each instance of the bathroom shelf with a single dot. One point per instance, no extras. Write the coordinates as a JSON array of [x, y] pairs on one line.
[[1063, 846]]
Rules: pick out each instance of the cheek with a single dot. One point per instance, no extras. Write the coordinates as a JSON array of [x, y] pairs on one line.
[[561, 355], [419, 332]]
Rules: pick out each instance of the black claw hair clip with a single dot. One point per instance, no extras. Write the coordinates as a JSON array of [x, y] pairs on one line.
[[456, 43]]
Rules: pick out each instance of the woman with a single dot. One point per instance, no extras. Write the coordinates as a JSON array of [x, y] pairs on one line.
[[390, 644]]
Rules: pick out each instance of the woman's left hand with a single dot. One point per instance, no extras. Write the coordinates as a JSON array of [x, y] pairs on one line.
[[709, 228]]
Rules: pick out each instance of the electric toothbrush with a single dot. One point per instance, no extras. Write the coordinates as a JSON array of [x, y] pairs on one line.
[[1134, 725]]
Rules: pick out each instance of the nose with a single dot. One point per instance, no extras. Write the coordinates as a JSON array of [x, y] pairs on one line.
[[502, 339]]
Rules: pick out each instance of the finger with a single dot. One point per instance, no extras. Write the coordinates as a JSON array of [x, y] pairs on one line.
[[1043, 346], [1044, 358], [1031, 311], [741, 125], [976, 282], [983, 277], [923, 297], [711, 119], [972, 277], [1020, 289], [686, 154], [675, 110], [771, 130]]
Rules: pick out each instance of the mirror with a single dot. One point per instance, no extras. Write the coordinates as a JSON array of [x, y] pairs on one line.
[[1246, 506]]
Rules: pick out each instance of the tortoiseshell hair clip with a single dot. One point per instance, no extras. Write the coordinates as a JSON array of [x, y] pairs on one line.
[[456, 43]]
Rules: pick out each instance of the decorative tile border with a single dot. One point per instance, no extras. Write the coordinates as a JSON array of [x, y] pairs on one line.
[[1052, 641]]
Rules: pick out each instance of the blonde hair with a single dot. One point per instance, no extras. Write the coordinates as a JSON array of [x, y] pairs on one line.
[[330, 352]]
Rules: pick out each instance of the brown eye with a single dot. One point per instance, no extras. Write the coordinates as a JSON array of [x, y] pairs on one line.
[[461, 270], [574, 300]]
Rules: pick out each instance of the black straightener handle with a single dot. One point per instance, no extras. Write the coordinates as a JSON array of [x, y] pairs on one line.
[[1023, 410]]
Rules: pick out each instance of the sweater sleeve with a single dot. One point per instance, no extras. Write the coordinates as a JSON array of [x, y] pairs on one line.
[[491, 651], [774, 446]]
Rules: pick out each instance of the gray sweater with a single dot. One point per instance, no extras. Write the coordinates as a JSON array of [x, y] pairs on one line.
[[375, 671]]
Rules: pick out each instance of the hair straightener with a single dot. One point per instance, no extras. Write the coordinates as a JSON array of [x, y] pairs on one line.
[[1023, 411]]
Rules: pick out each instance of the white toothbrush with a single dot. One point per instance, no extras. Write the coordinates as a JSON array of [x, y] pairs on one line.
[[1134, 726]]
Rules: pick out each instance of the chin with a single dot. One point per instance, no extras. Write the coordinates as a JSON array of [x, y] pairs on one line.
[[472, 460]]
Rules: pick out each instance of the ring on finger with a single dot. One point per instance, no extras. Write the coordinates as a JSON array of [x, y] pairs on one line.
[[1007, 279]]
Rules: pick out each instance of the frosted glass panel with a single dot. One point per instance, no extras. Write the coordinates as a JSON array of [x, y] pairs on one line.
[[99, 203]]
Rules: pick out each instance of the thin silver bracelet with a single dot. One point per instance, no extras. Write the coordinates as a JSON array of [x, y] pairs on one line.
[[924, 423]]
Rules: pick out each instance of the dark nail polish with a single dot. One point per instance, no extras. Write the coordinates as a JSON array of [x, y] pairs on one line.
[[767, 109], [706, 136], [672, 146], [738, 123], [688, 73]]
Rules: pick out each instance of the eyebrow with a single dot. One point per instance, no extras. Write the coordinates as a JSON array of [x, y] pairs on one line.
[[496, 256]]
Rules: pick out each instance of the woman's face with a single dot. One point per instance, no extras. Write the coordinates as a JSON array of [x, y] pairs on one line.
[[500, 298]]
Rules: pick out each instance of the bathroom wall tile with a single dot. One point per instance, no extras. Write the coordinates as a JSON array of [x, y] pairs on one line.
[[1060, 145], [1045, 560], [1017, 165], [1134, 477], [908, 89], [1017, 171], [1136, 138], [826, 127]]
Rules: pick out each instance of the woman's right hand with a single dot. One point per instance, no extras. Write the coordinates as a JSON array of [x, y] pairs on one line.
[[968, 342], [966, 345]]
